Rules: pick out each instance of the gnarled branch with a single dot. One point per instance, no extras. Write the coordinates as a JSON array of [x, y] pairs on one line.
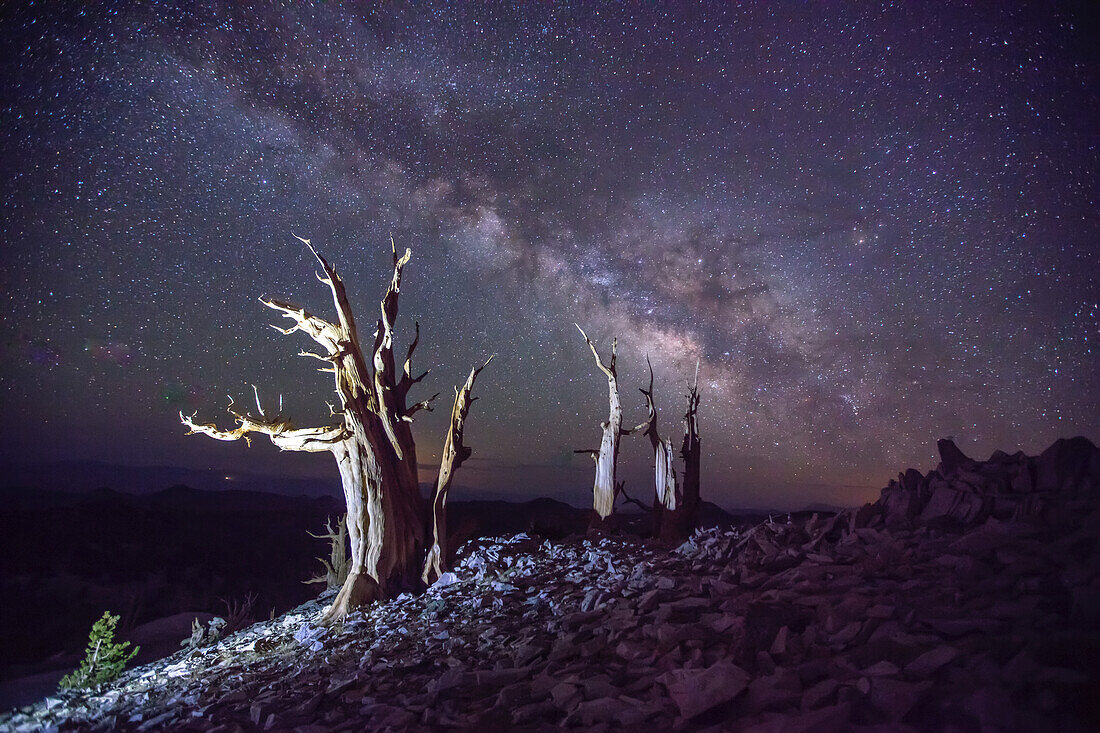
[[385, 386], [620, 490], [279, 429], [320, 330], [336, 285], [422, 405], [407, 379], [609, 368], [336, 567]]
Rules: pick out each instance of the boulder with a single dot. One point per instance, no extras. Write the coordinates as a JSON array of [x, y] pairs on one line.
[[931, 661], [819, 694], [1022, 482], [600, 710], [777, 691], [898, 502], [894, 698], [696, 691], [962, 506], [951, 458], [1065, 463]]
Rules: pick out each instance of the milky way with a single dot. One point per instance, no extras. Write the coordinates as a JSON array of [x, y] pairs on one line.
[[873, 226]]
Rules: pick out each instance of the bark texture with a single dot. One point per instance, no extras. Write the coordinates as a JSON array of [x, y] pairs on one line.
[[454, 453], [603, 489], [371, 441]]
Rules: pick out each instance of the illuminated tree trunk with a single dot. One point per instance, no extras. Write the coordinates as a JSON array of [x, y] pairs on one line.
[[454, 453], [603, 489], [372, 441]]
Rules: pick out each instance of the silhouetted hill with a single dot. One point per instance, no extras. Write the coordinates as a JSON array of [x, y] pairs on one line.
[[145, 557], [964, 599], [546, 517], [66, 556], [81, 476]]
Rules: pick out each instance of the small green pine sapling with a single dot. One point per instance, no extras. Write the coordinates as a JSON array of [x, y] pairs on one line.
[[105, 659]]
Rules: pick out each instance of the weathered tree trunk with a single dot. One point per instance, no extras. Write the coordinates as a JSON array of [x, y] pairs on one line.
[[688, 513], [454, 453], [603, 489], [666, 494], [372, 444]]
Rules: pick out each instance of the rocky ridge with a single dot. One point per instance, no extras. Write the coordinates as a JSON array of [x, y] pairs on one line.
[[965, 599]]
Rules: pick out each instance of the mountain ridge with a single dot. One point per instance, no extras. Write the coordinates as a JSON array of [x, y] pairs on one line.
[[961, 599]]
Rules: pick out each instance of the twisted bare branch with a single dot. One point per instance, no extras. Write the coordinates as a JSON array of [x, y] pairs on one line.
[[608, 369], [278, 428], [422, 405], [385, 386], [326, 334]]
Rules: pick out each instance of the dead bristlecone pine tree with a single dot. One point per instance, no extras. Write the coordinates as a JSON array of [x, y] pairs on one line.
[[666, 494], [683, 520], [371, 439], [606, 458], [454, 453], [336, 567]]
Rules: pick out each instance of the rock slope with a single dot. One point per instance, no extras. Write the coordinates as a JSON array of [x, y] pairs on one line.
[[967, 599]]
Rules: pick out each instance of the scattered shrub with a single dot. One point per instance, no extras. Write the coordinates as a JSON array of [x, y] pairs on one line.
[[204, 637], [239, 615], [105, 659]]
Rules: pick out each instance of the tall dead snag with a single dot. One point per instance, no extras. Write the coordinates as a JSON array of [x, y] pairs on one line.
[[371, 441], [454, 453], [603, 490], [666, 494], [688, 513]]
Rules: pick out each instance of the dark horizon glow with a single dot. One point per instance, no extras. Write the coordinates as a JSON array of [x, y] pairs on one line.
[[874, 225]]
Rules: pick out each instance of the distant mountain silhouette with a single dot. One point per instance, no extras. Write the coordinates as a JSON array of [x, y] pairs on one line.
[[68, 555], [78, 476]]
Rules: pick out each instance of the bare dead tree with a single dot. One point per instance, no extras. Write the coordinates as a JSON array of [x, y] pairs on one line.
[[336, 567], [690, 452], [666, 494], [454, 453], [603, 489], [371, 439]]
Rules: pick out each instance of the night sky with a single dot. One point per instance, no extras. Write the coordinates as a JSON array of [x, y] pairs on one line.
[[874, 225]]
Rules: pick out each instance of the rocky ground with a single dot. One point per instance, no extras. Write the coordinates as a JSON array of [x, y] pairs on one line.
[[967, 599]]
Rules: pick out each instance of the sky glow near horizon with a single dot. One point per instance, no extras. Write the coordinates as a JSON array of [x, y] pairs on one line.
[[873, 225]]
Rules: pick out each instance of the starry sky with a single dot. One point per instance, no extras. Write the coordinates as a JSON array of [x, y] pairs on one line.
[[872, 225]]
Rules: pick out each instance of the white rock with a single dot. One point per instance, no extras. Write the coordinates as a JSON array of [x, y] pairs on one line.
[[444, 580]]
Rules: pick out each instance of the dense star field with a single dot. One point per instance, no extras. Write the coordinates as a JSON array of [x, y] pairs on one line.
[[872, 225]]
